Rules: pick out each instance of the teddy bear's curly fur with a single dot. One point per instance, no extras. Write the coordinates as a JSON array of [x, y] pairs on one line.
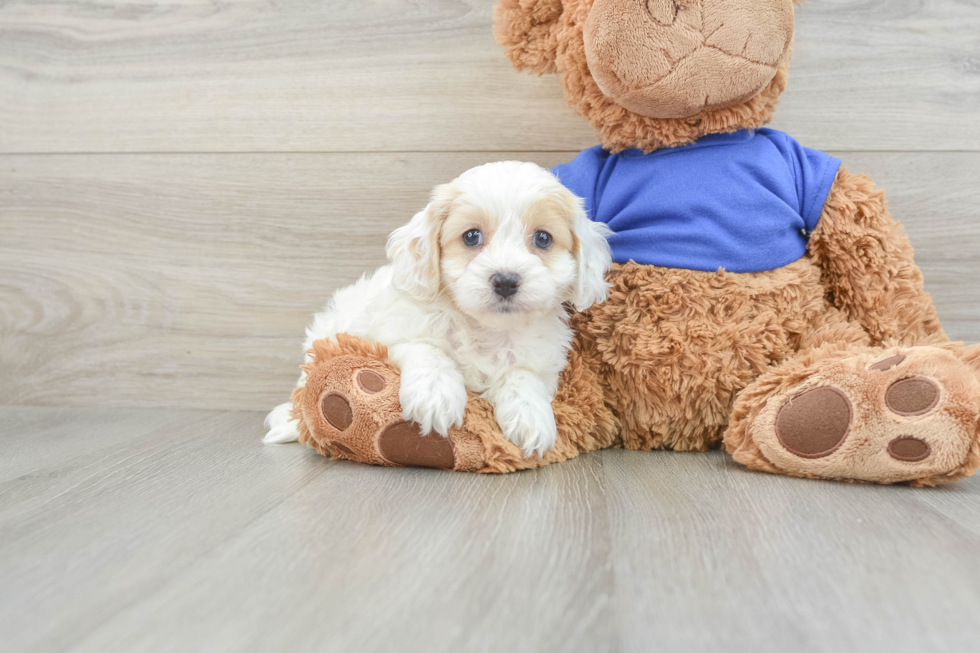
[[834, 366]]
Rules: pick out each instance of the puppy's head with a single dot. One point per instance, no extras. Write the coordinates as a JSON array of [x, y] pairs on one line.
[[502, 240]]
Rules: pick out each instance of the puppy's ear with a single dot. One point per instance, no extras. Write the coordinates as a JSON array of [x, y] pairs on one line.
[[413, 250], [591, 251]]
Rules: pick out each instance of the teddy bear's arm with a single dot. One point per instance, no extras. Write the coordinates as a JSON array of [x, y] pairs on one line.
[[526, 31], [867, 265]]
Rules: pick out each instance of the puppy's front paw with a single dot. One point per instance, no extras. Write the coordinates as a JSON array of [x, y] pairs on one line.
[[528, 422], [436, 401]]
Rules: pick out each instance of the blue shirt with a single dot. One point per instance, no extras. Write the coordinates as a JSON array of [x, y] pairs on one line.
[[741, 201]]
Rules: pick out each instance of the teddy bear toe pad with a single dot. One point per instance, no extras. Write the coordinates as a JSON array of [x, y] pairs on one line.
[[909, 449], [337, 411], [911, 397], [905, 417]]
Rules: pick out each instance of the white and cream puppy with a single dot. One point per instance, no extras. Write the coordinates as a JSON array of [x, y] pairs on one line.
[[474, 298]]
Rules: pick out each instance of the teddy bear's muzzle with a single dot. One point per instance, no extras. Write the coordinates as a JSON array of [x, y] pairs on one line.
[[679, 58]]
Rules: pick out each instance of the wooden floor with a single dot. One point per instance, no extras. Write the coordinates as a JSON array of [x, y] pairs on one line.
[[182, 184], [165, 530]]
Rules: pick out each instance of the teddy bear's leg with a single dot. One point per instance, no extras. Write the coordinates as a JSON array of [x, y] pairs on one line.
[[867, 268], [851, 412], [349, 408], [877, 393]]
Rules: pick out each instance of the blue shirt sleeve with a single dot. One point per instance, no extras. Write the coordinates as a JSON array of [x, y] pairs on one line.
[[814, 172], [581, 174]]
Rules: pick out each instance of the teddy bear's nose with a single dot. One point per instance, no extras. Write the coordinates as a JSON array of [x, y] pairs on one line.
[[680, 58]]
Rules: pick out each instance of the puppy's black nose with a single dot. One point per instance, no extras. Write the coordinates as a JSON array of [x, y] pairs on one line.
[[505, 284]]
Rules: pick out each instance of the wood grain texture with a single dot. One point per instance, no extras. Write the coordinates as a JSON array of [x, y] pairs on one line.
[[187, 280], [407, 75], [710, 552], [91, 527], [152, 530], [195, 537]]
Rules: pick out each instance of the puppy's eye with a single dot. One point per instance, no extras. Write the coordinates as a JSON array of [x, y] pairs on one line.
[[473, 238], [542, 239]]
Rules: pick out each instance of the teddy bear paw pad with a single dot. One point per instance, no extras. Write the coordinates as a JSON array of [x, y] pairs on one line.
[[814, 423], [909, 416], [404, 444]]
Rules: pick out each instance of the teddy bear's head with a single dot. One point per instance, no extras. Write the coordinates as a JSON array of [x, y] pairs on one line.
[[650, 74]]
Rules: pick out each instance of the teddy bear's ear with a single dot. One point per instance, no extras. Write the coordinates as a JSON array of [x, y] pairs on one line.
[[526, 30]]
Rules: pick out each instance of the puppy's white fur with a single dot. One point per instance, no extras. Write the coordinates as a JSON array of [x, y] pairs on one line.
[[447, 329]]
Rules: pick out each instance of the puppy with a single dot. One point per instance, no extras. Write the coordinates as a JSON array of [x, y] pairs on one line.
[[474, 299]]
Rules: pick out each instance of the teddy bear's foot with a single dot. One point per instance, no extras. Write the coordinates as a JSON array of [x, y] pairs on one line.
[[355, 415], [883, 416], [349, 408]]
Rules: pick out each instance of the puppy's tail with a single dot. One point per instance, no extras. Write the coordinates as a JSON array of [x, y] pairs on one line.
[[282, 428]]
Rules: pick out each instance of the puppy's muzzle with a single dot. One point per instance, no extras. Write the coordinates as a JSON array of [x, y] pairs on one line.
[[505, 284]]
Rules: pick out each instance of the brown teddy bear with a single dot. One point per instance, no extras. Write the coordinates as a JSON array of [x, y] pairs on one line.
[[764, 298]]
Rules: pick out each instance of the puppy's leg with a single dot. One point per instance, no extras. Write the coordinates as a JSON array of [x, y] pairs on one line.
[[433, 392], [522, 407], [282, 428]]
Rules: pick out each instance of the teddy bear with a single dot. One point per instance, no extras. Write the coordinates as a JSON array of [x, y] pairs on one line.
[[763, 299]]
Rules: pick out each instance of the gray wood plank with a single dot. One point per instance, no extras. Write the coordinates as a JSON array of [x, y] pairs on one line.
[[187, 280], [190, 276], [212, 542], [369, 559], [194, 537], [45, 449], [427, 75], [94, 532], [706, 553]]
